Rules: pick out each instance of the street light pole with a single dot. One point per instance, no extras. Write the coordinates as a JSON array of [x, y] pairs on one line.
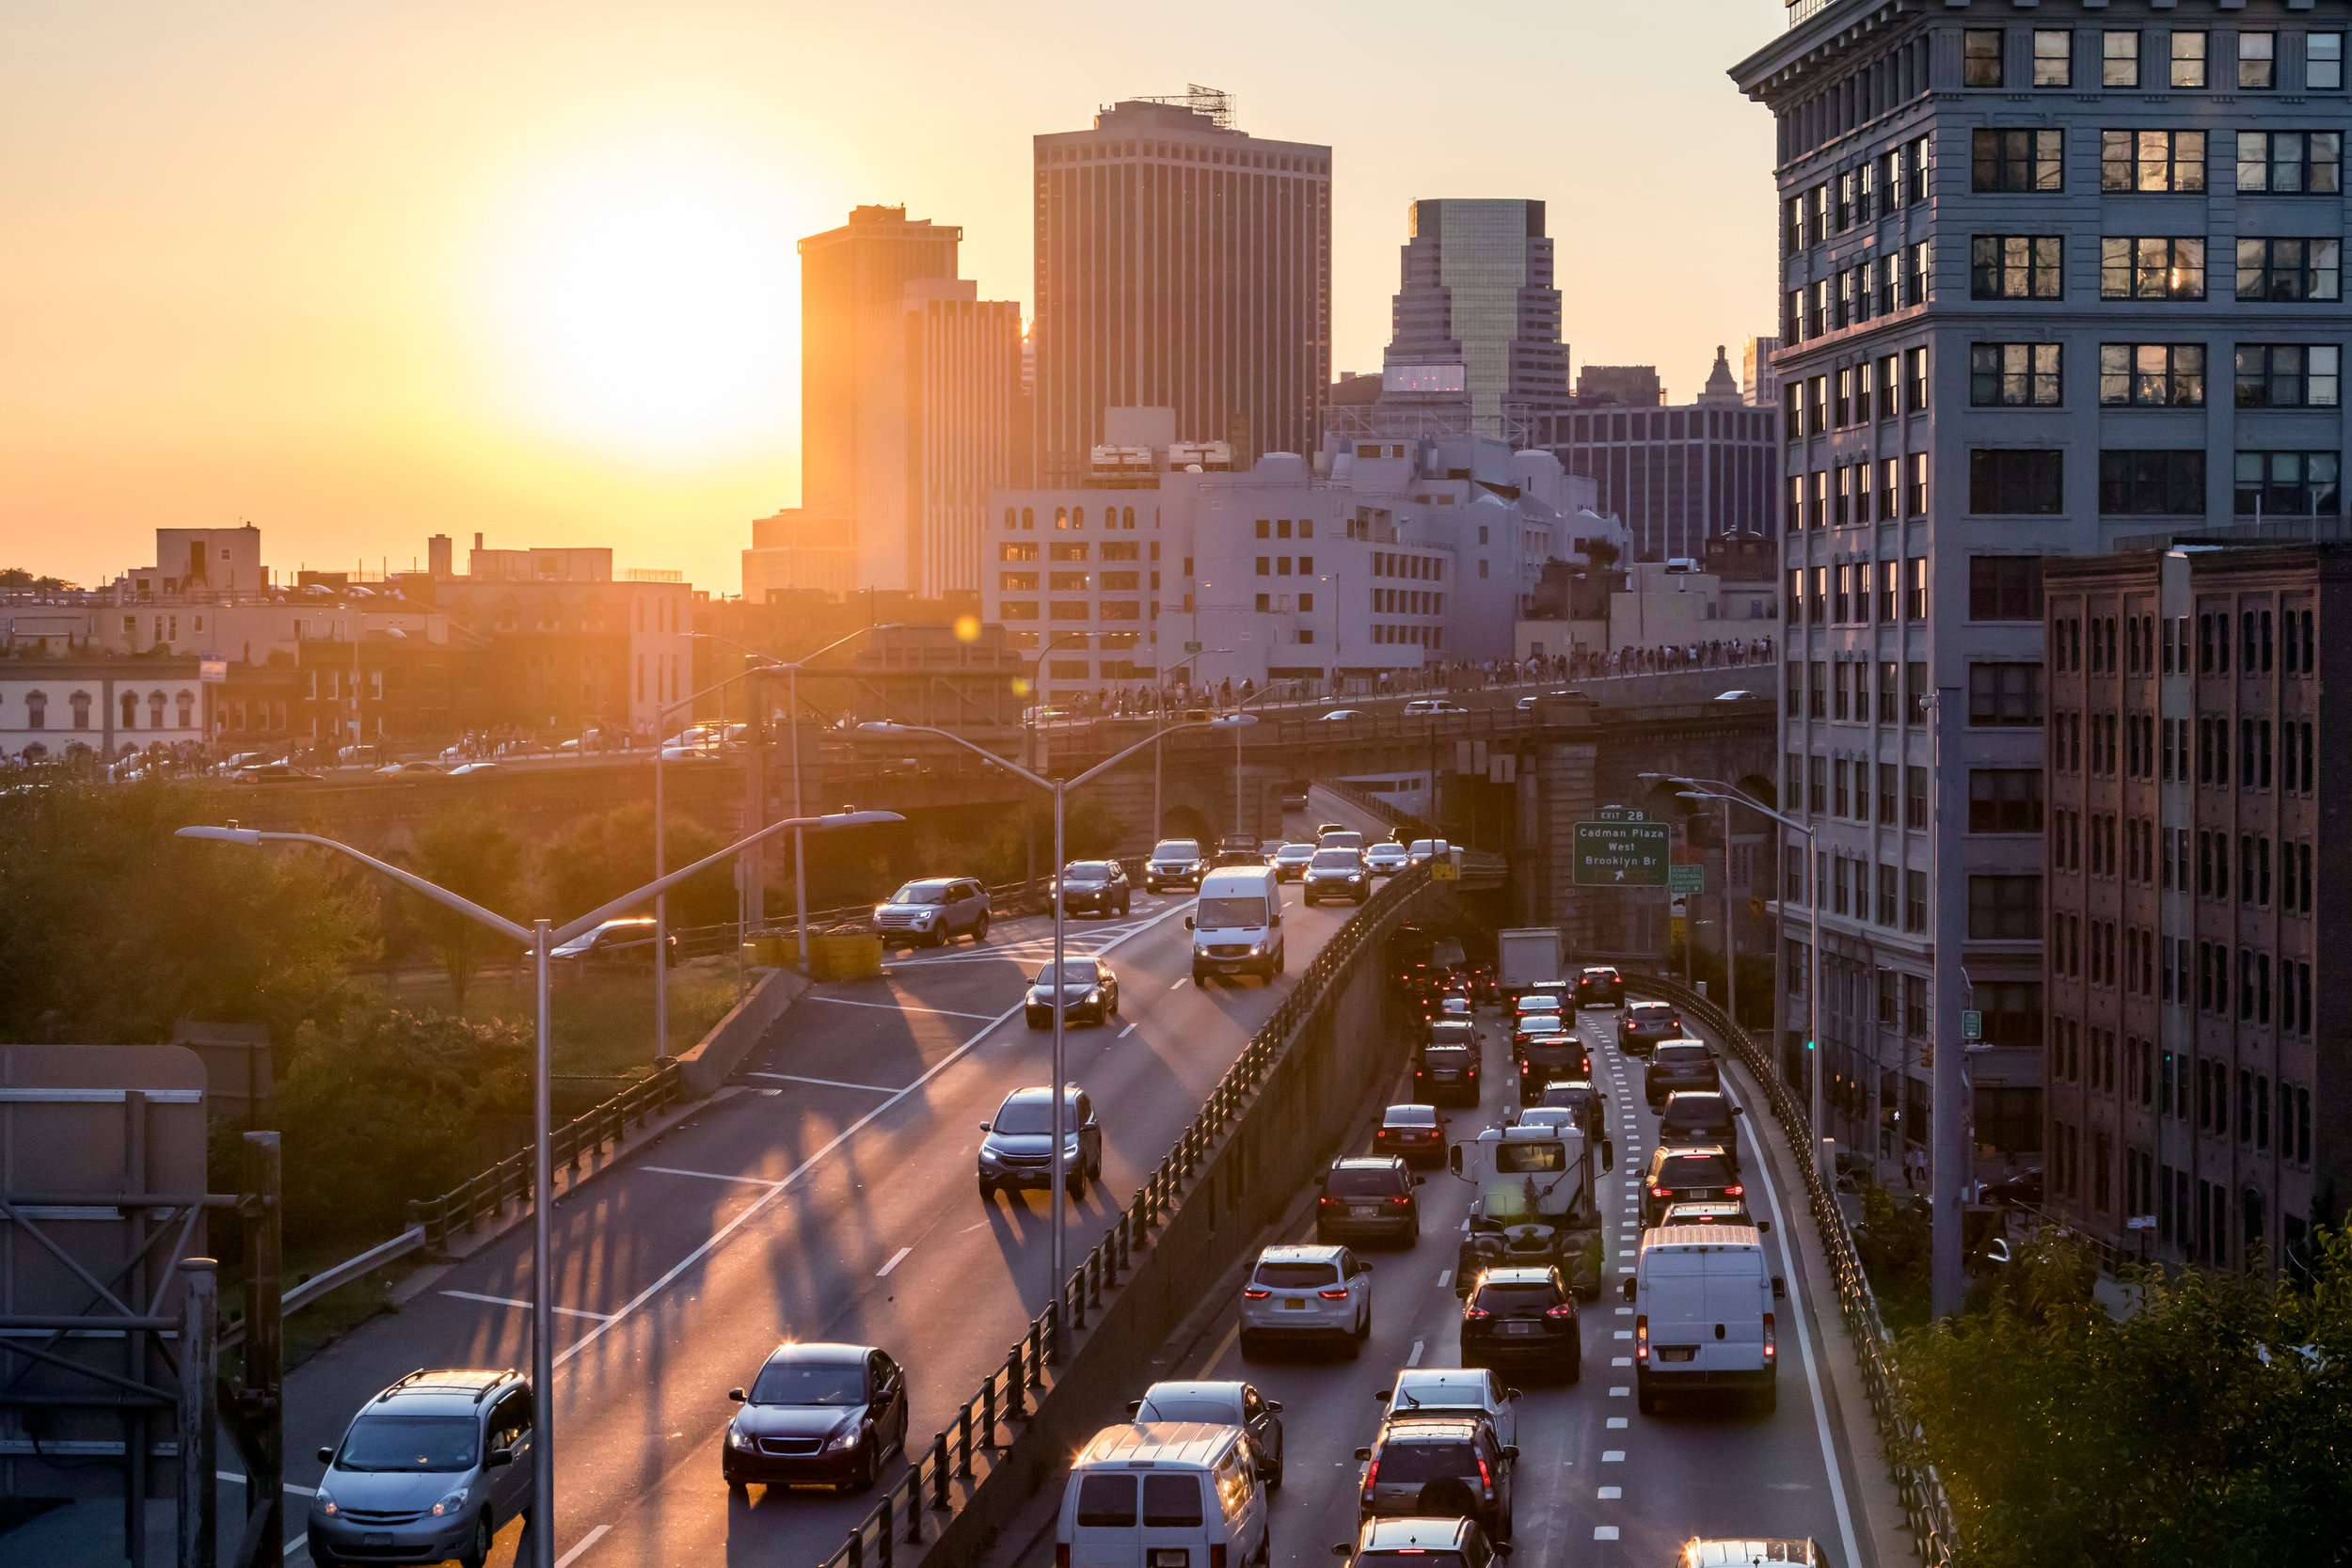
[[543, 938], [1059, 789]]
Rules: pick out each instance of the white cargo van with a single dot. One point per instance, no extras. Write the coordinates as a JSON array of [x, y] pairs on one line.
[[1162, 1495], [1236, 925], [1704, 1308]]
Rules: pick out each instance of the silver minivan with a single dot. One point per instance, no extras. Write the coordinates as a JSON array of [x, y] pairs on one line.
[[1162, 1495], [430, 1469]]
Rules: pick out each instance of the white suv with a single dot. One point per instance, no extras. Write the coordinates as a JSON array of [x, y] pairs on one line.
[[1307, 1293]]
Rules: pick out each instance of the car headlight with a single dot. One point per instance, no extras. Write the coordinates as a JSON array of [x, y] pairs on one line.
[[846, 1438], [740, 1440], [1256, 949], [451, 1503], [1093, 996], [326, 1503]]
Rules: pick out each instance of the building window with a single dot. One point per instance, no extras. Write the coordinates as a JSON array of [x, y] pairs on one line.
[[36, 711], [1920, 275], [2288, 375], [2004, 696], [2157, 375], [2323, 62], [2119, 57], [2257, 61], [2053, 58], [2017, 160], [2287, 484], [2004, 909], [2188, 58], [2005, 588], [2291, 163], [1916, 380], [1916, 484], [2013, 375], [2158, 268], [2287, 269], [2016, 266], [1890, 491], [2004, 800], [2152, 161], [1980, 58], [1890, 391], [2015, 481], [2152, 484]]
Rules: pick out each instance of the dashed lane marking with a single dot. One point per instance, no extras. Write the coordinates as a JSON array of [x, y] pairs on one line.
[[1617, 1423], [1625, 1334], [1612, 1456], [1604, 1532], [1619, 1391], [1129, 1030], [896, 1258], [525, 1305], [1609, 1493], [582, 1544], [835, 1082], [1445, 1278], [710, 1176], [1621, 1361], [1414, 1359]]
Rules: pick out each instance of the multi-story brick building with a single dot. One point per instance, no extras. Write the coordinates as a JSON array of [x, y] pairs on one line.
[[2197, 1083]]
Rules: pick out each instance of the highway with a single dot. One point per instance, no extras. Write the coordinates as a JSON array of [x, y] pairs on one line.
[[1598, 1482], [832, 1199]]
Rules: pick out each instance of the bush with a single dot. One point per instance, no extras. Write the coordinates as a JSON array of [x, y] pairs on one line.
[[599, 858]]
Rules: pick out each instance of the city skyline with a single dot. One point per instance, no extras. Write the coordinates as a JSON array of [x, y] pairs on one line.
[[390, 323]]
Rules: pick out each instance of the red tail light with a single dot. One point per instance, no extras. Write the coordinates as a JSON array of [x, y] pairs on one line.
[[1400, 1200], [1062, 1554], [1476, 1314], [1327, 1202], [1734, 1190], [1335, 1294], [1257, 1293], [1486, 1480], [1662, 1192], [1772, 1348], [1641, 1340], [1563, 1310], [1216, 1555]]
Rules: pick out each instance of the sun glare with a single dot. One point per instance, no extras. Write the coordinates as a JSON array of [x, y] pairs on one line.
[[643, 300]]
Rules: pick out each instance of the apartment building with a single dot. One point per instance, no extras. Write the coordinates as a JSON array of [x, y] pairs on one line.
[[2051, 276]]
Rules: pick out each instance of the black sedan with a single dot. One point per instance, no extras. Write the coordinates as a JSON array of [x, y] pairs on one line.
[[817, 1415], [1088, 991], [1523, 1316], [1095, 887], [1338, 874]]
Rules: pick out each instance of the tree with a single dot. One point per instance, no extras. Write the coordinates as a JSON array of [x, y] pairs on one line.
[[2207, 1427], [477, 857], [599, 858], [18, 578]]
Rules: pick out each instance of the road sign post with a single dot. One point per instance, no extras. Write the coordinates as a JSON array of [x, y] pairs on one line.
[[1621, 854]]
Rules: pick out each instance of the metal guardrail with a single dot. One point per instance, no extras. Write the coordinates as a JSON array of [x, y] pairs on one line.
[[486, 1196], [938, 1478], [1927, 1511]]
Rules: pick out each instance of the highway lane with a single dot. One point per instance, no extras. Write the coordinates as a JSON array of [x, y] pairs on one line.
[[835, 1201], [1598, 1482]]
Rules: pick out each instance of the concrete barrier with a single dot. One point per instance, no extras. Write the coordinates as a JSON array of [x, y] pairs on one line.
[[709, 1061]]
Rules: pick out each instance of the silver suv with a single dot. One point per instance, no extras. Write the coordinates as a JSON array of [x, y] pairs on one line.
[[430, 1469], [931, 912]]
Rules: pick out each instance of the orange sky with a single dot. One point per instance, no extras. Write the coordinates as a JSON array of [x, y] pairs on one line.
[[363, 273]]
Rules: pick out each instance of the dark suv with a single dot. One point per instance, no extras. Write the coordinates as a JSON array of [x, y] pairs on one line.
[[1174, 863], [1099, 887], [1445, 1069], [1599, 986], [1366, 1196], [1683, 1063], [1643, 1024], [1581, 1096], [1448, 1460], [1699, 1117], [1522, 1316], [1693, 1174], [1543, 1055]]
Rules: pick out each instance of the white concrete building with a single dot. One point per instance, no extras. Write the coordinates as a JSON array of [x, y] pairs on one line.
[[54, 707]]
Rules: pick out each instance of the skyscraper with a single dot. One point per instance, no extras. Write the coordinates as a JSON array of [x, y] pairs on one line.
[[910, 412], [1181, 264], [1475, 314]]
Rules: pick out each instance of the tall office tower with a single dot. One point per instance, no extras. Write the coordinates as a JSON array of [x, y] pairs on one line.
[[2019, 250], [910, 412], [1759, 384], [1179, 264], [1476, 316]]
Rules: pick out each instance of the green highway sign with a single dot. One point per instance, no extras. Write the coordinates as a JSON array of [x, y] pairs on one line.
[[1622, 854], [1622, 814], [1971, 1024], [1686, 879], [1192, 647]]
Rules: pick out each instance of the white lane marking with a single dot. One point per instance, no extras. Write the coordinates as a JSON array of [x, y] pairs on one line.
[[1619, 1391], [1625, 1311], [1804, 1344], [1177, 984], [1609, 1493], [584, 1543], [890, 1006], [896, 1258], [1625, 1268], [1624, 1334], [299, 1546], [1445, 1278], [839, 1084], [1604, 1532], [1617, 1423], [1129, 1030], [757, 1204], [525, 1305], [708, 1175], [1414, 1359], [1621, 1361], [1612, 1456]]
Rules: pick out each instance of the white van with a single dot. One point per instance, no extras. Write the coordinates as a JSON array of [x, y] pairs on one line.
[[1236, 925], [1162, 1495], [1704, 1302]]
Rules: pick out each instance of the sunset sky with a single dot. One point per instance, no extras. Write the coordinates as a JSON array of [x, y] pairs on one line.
[[362, 273]]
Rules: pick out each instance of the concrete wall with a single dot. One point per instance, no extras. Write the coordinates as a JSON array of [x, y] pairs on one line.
[[711, 1059]]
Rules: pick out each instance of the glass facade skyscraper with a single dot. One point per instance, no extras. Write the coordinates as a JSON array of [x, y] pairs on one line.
[[1475, 316]]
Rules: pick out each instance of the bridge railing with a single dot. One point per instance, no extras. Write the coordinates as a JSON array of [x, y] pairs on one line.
[[1927, 1511], [939, 1478]]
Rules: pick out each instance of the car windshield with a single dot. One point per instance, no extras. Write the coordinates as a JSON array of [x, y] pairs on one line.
[[1087, 871], [1420, 1557], [1297, 1276], [1177, 849], [1412, 1464], [1386, 851], [1361, 1181], [1297, 851], [1028, 1118], [1225, 913], [1694, 1170], [1540, 1002], [1531, 1158], [1074, 972], [920, 892], [840, 1384], [1546, 1116], [1682, 1055], [1422, 847], [1541, 1023], [1518, 1298], [1160, 1407], [412, 1443], [1336, 859], [1411, 1116], [1446, 1055]]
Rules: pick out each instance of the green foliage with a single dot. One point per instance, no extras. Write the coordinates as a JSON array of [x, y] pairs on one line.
[[111, 928], [2209, 1427], [19, 578], [1894, 1242], [477, 857], [387, 1106], [600, 857]]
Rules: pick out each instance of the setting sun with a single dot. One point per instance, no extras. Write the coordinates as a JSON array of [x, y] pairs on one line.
[[639, 299]]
